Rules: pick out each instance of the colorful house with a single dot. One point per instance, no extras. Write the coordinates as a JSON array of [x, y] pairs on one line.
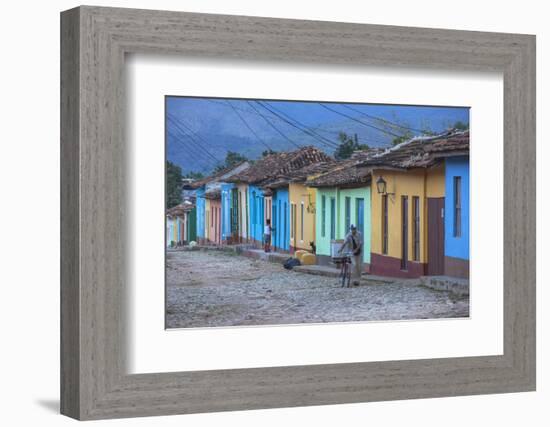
[[243, 234], [213, 216], [208, 200], [457, 218], [191, 225], [230, 213], [302, 216], [292, 205], [207, 222], [342, 198], [280, 219], [201, 214], [256, 213], [409, 205], [252, 200], [178, 224]]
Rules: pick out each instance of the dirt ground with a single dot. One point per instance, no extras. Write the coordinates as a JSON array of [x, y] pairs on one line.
[[215, 288]]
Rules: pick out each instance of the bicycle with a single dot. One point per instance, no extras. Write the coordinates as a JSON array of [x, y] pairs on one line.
[[345, 270]]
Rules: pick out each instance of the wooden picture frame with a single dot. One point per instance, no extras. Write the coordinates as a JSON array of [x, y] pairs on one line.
[[94, 41]]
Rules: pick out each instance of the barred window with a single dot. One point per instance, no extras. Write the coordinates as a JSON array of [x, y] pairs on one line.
[[457, 226]]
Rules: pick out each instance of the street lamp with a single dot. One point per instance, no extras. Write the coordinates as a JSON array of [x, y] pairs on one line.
[[381, 185]]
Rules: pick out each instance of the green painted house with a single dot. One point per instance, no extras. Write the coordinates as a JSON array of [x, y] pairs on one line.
[[342, 198]]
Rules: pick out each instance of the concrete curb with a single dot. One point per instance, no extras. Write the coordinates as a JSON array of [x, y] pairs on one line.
[[456, 286]]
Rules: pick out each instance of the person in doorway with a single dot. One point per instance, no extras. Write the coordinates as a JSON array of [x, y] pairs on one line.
[[267, 236], [354, 244]]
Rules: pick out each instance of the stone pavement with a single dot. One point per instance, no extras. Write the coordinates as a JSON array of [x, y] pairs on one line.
[[222, 288]]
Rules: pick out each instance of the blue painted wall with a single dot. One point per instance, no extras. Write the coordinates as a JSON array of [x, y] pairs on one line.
[[457, 247], [256, 212], [226, 210], [200, 212], [280, 217]]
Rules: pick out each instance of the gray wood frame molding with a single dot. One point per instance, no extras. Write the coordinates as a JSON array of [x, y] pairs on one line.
[[94, 382]]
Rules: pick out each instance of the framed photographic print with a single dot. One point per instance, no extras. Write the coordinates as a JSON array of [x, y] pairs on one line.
[[262, 213]]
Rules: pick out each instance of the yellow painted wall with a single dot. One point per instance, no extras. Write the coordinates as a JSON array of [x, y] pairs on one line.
[[435, 181], [298, 194], [422, 183]]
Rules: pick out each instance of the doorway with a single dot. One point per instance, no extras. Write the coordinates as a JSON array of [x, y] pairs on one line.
[[436, 236]]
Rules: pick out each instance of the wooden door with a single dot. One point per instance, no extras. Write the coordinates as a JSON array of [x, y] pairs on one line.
[[404, 232], [436, 236], [220, 224], [234, 215]]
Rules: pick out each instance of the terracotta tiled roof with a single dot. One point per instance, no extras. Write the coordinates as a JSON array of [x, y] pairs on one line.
[[180, 209], [216, 176], [213, 194], [346, 172], [300, 175], [422, 152], [278, 165]]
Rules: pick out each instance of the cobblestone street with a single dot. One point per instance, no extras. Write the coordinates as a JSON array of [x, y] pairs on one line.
[[215, 288]]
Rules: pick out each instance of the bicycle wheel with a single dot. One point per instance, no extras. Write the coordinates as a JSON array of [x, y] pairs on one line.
[[343, 274]]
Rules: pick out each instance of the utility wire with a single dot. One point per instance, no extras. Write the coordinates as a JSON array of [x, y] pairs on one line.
[[275, 117], [273, 126], [374, 139], [359, 121], [224, 103], [388, 122], [182, 123], [248, 126], [311, 129], [289, 120], [190, 148], [278, 118], [177, 125]]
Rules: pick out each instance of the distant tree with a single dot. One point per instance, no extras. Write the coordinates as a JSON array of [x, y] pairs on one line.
[[268, 152], [193, 175], [461, 125], [347, 146], [231, 159], [405, 137], [426, 128], [173, 184]]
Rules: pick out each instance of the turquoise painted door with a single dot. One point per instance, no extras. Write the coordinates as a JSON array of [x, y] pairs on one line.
[[332, 218], [276, 216], [360, 210], [285, 238]]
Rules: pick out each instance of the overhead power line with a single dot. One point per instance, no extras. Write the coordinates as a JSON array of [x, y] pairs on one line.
[[359, 121], [196, 147], [296, 124], [248, 126], [367, 138], [273, 126], [177, 124], [381, 119], [189, 148]]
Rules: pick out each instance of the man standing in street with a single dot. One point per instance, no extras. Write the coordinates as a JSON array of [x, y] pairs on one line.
[[354, 243], [267, 236]]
